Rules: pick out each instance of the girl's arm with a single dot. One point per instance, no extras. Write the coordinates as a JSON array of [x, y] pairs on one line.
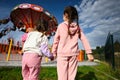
[[24, 37], [86, 45], [55, 42], [45, 49]]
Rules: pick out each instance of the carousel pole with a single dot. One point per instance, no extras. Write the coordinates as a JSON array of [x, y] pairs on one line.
[[46, 59], [9, 50]]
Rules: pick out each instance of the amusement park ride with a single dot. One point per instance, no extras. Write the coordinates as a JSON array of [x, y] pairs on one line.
[[28, 15]]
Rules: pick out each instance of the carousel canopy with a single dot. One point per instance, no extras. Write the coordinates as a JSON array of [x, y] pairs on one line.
[[31, 15]]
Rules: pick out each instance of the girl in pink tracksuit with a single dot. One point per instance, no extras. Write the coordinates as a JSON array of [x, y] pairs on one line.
[[65, 45], [34, 47]]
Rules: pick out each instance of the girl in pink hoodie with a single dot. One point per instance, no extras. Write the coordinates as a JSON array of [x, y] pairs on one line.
[[65, 45]]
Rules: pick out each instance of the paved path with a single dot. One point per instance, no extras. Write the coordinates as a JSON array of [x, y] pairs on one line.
[[50, 63], [15, 60]]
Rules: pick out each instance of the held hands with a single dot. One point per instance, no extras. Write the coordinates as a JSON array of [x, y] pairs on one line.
[[90, 57], [53, 57]]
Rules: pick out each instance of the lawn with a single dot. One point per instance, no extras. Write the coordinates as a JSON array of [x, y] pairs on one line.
[[102, 71]]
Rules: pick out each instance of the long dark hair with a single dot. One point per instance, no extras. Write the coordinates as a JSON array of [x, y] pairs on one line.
[[72, 16]]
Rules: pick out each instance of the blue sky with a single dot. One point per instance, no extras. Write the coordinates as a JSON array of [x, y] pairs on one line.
[[96, 17], [56, 7]]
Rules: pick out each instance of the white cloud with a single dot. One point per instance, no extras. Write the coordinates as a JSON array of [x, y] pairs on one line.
[[101, 15]]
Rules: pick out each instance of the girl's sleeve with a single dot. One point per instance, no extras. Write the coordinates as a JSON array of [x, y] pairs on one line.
[[85, 43], [56, 42], [24, 37], [45, 50], [44, 47]]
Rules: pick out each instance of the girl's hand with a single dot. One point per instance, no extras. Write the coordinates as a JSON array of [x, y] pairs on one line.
[[90, 57], [52, 58], [20, 52]]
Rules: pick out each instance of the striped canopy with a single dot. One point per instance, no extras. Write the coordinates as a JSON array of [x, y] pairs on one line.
[[30, 15]]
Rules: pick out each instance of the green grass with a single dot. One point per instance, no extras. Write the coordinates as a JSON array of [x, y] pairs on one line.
[[100, 72]]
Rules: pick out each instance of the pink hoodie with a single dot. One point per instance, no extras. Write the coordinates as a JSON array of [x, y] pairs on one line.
[[64, 45]]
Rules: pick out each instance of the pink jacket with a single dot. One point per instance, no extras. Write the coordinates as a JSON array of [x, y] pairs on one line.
[[64, 45]]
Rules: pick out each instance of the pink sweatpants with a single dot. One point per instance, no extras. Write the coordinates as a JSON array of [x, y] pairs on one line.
[[31, 63], [67, 67]]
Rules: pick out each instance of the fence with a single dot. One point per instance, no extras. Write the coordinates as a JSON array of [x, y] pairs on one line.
[[14, 55], [11, 52], [112, 49]]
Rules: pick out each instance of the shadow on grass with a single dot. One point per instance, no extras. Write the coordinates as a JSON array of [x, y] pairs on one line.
[[88, 76], [47, 73]]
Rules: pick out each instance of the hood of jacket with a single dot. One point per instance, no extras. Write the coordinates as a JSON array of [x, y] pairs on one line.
[[72, 28]]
